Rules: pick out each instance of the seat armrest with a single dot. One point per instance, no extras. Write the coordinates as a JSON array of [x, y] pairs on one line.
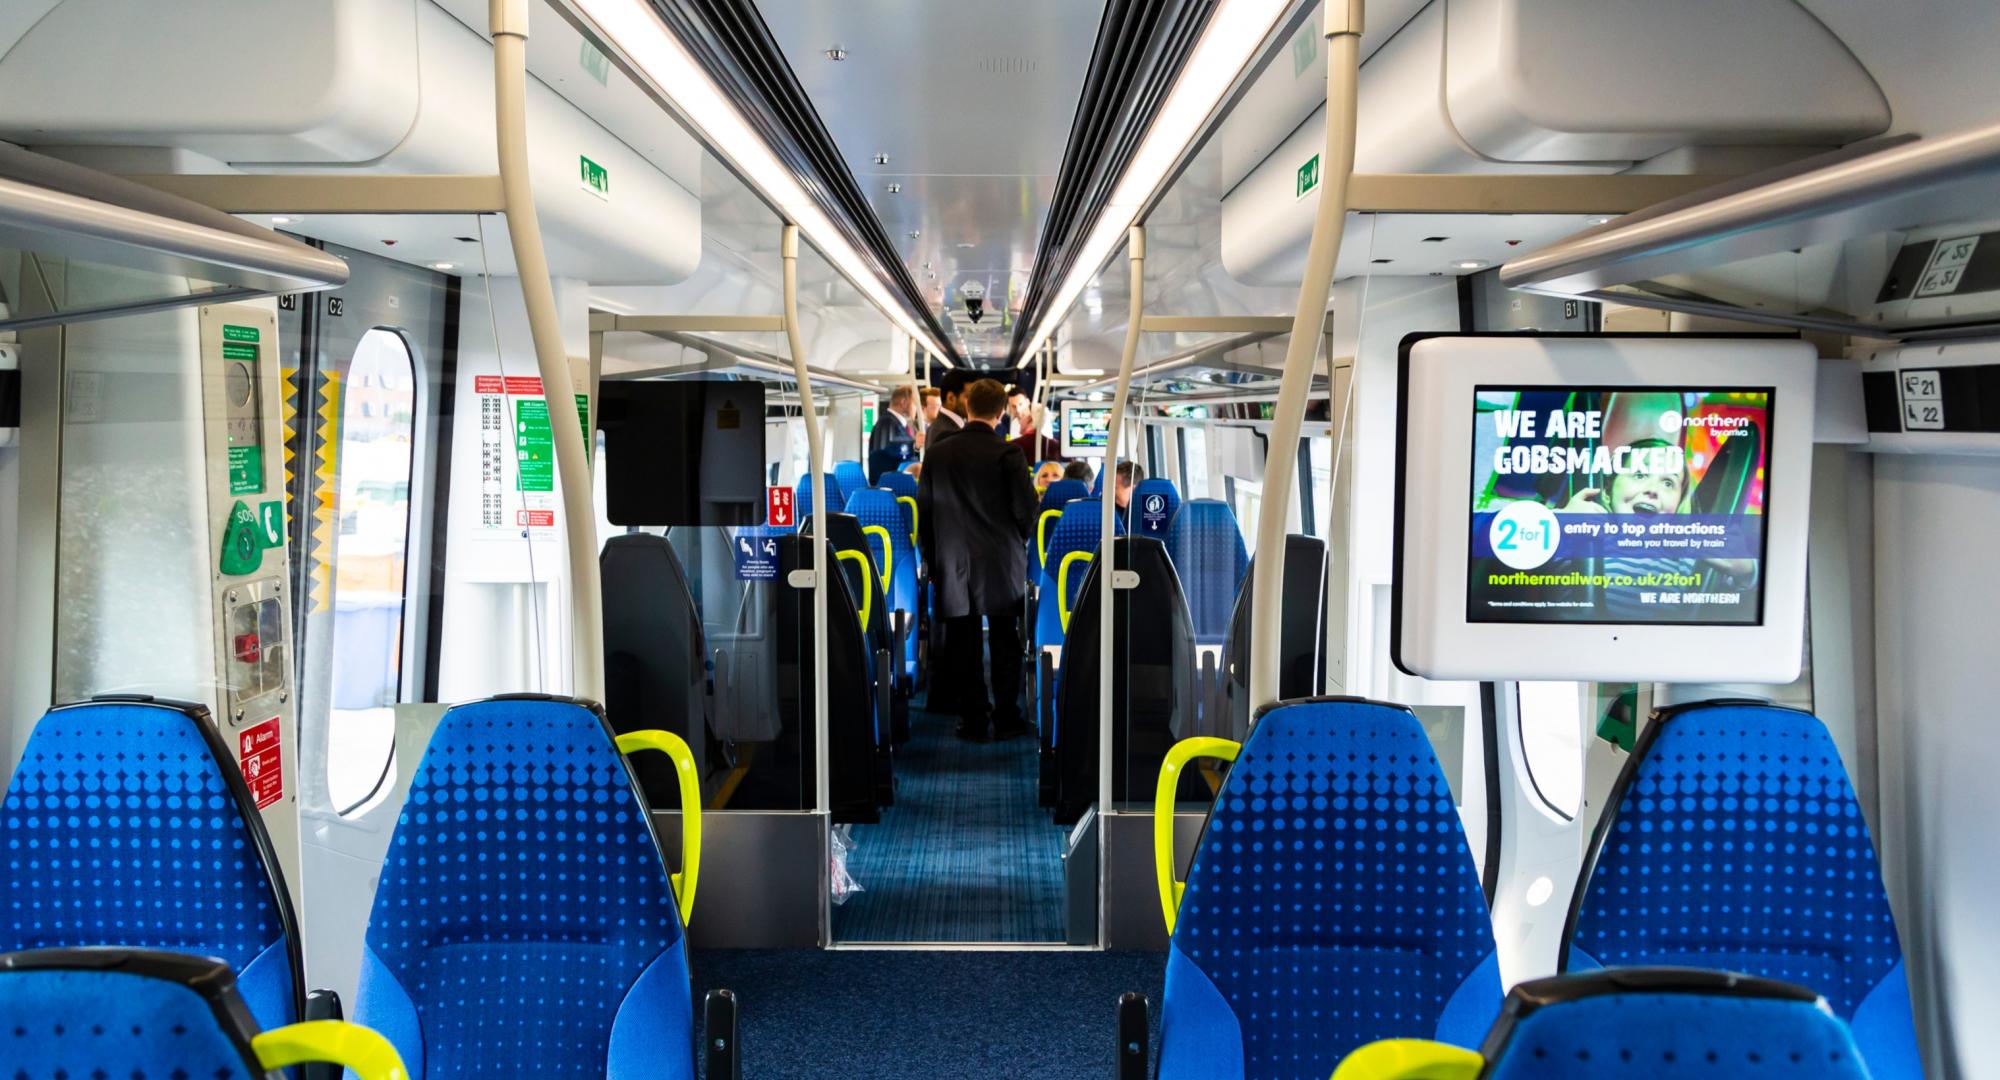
[[1134, 1037], [718, 1041]]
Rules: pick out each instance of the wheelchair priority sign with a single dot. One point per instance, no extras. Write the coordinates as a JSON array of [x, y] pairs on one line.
[[1153, 514], [756, 558]]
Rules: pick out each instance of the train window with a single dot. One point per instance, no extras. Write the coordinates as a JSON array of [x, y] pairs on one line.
[[1551, 719], [377, 426], [1194, 461], [1245, 497], [1319, 473]]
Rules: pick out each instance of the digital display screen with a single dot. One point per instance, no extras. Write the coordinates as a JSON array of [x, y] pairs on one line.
[[1085, 430], [684, 452], [1615, 505]]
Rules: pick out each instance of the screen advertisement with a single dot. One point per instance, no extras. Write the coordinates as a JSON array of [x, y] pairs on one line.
[[1619, 506], [1086, 429]]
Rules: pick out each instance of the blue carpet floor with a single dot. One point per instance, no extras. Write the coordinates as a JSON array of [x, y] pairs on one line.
[[964, 855], [908, 1014]]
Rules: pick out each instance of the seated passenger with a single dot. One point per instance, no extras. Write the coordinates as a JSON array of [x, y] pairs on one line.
[[1049, 473], [1079, 470], [1129, 473]]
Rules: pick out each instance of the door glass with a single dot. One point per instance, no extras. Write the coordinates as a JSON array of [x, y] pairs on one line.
[[377, 416]]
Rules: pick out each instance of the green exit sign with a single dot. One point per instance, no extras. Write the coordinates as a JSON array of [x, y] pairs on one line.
[[596, 178], [1308, 178]]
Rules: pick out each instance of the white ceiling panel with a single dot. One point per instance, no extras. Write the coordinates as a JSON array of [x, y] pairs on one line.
[[971, 103]]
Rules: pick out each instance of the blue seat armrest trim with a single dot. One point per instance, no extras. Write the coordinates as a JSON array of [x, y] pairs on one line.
[[381, 1003], [652, 1034], [1885, 1029], [265, 984], [1471, 1009], [1200, 1036]]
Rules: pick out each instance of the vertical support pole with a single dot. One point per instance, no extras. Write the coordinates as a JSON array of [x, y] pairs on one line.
[[508, 21], [1107, 563], [816, 469], [1343, 33]]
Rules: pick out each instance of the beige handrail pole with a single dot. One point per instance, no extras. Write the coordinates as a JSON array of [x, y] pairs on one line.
[[1107, 503], [1343, 33], [816, 469], [508, 21]]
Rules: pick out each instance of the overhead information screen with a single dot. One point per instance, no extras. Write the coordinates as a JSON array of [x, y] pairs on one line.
[[1609, 505], [1602, 507], [683, 452], [1086, 429]]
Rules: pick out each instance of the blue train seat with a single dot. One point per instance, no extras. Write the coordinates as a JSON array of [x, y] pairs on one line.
[[1059, 494], [904, 487], [1155, 500], [116, 1012], [850, 476], [128, 824], [1077, 531], [804, 500], [1333, 901], [1637, 1024], [882, 520], [1208, 553], [1734, 841], [525, 924]]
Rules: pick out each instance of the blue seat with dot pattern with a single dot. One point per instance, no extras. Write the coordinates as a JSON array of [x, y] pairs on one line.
[[850, 477], [128, 824], [877, 506], [1157, 500], [90, 1013], [1058, 494], [1208, 553], [804, 500], [1667, 1024], [898, 483], [525, 924], [1077, 530], [1734, 841], [1333, 901]]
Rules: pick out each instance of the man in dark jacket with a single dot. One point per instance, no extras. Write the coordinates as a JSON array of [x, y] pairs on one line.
[[976, 503], [950, 419], [895, 438]]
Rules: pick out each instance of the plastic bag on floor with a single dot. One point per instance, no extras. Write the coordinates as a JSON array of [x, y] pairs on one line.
[[844, 885]]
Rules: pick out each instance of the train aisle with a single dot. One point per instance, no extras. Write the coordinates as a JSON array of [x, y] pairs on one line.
[[893, 1014], [964, 855]]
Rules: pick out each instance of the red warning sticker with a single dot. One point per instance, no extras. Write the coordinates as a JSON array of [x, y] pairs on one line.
[[263, 770], [535, 519]]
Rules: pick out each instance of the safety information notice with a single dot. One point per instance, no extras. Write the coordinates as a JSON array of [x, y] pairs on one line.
[[263, 769]]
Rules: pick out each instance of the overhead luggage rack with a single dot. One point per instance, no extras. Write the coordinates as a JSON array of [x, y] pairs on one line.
[[180, 252], [1890, 238]]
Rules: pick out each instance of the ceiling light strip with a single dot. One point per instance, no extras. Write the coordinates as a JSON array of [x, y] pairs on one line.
[[1230, 41], [636, 30]]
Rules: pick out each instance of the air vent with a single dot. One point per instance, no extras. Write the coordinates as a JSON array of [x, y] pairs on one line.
[[1006, 65]]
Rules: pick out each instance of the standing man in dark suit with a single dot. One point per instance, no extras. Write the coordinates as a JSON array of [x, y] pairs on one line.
[[950, 419], [895, 438], [977, 505]]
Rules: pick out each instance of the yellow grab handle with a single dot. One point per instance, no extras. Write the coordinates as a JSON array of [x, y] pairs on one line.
[[1178, 756], [913, 517], [888, 550], [1042, 536], [335, 1042], [1062, 584], [1410, 1059], [867, 582], [676, 748]]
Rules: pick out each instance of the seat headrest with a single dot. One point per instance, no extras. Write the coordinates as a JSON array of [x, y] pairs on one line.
[[901, 483], [123, 1012], [1154, 500]]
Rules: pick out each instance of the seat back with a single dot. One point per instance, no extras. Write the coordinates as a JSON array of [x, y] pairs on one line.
[[855, 734], [805, 500], [1154, 501], [884, 527], [1333, 901], [107, 1012], [128, 824], [898, 483], [1734, 841], [1667, 1024], [655, 655], [1151, 699], [1301, 636], [1058, 494], [850, 476], [1208, 552], [1078, 530], [525, 923]]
